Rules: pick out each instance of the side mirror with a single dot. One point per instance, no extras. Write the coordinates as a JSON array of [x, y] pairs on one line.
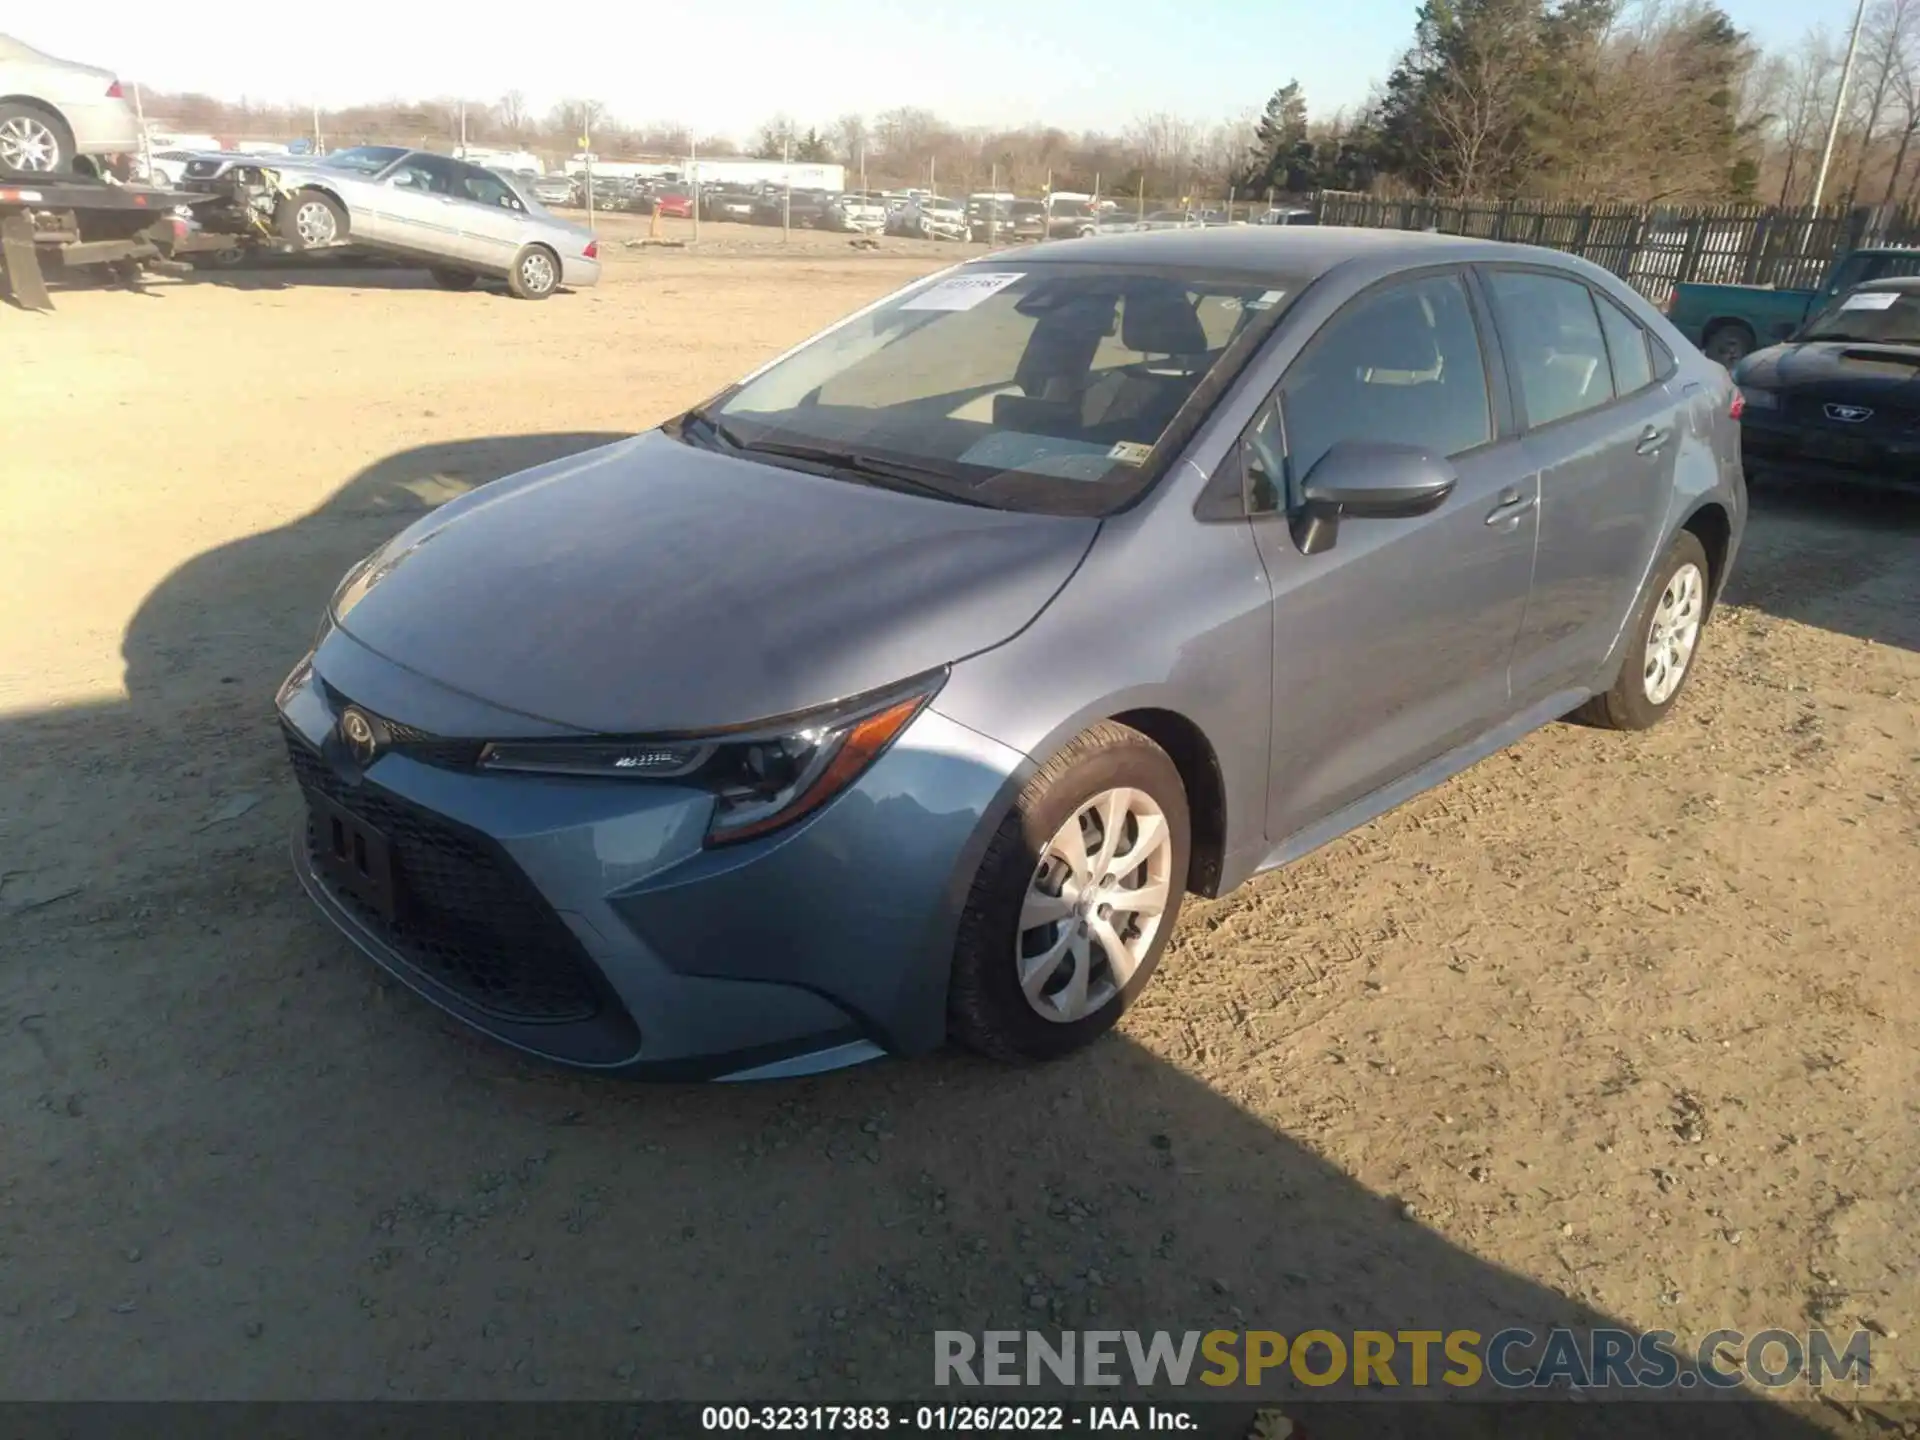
[[1368, 480]]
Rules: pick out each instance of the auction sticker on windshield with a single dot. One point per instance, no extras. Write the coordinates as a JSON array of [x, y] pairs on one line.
[[963, 292], [1871, 300]]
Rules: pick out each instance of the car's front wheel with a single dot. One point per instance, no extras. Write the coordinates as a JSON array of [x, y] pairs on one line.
[[1074, 900], [1665, 631], [311, 219]]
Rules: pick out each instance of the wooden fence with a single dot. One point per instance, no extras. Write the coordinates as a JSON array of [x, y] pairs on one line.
[[1651, 247]]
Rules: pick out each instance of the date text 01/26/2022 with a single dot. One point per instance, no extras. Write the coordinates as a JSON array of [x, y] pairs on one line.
[[976, 1419]]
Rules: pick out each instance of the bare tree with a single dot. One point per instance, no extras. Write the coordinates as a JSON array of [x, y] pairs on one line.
[[516, 122], [850, 139], [1808, 98], [1884, 43]]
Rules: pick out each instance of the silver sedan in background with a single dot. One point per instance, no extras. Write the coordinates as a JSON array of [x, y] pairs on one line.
[[463, 222]]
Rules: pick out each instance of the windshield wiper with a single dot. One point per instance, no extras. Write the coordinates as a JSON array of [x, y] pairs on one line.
[[727, 436], [890, 474]]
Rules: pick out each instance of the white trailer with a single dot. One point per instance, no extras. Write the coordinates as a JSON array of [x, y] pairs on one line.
[[801, 175]]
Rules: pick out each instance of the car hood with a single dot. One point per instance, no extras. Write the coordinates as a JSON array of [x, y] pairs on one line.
[[649, 586], [1826, 365]]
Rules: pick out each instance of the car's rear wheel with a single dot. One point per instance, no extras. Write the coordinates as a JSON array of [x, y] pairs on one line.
[[33, 139], [535, 274], [311, 219], [1666, 631], [1074, 900], [1728, 343], [453, 279]]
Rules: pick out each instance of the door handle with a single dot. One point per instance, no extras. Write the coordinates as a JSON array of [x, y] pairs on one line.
[[1511, 507], [1651, 439]]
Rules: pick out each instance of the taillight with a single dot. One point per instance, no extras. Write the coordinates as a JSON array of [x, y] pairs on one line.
[[592, 252], [113, 91], [1739, 405]]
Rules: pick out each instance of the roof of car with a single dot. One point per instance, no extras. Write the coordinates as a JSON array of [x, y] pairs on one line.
[[1306, 252]]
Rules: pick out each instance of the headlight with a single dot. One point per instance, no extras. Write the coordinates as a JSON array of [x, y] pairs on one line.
[[1757, 399], [762, 779]]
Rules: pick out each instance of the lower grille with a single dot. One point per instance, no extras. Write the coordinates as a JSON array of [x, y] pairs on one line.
[[468, 918]]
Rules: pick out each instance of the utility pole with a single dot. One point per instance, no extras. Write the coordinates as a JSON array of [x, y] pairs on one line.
[[1839, 103], [586, 154], [993, 206], [318, 147], [146, 149], [693, 174], [786, 199], [463, 129]]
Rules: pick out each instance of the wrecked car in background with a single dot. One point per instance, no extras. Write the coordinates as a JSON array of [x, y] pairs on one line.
[[461, 221]]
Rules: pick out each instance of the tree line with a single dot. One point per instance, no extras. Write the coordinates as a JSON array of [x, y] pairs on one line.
[[1650, 101]]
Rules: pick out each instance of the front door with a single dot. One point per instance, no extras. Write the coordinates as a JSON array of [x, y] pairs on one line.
[[1602, 432], [1391, 648], [416, 211]]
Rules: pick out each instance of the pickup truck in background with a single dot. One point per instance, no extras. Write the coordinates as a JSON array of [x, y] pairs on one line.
[[1729, 321]]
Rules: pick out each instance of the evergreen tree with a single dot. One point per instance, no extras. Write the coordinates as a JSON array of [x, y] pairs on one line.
[[1278, 139]]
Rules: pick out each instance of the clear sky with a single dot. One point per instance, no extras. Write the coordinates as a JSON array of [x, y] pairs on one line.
[[725, 67]]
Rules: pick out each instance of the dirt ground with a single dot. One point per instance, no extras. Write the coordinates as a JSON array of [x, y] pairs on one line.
[[1611, 1026]]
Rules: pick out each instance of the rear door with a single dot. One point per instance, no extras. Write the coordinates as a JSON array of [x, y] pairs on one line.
[[1391, 648], [1601, 433], [492, 220]]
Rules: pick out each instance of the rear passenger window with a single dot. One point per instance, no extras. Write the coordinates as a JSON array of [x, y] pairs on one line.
[[1554, 344], [1626, 346], [1400, 364]]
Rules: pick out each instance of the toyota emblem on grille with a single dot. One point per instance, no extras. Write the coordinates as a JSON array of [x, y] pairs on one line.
[[1852, 414], [357, 730]]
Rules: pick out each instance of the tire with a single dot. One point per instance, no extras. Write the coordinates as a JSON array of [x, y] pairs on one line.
[[231, 257], [1636, 701], [535, 274], [1728, 343], [1081, 992], [311, 220], [453, 279], [33, 139]]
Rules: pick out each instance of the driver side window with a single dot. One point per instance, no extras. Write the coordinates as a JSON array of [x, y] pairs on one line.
[[1401, 365], [422, 173]]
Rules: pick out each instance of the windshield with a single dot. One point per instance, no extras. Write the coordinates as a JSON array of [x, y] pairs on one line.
[[1041, 388], [364, 159], [1879, 317]]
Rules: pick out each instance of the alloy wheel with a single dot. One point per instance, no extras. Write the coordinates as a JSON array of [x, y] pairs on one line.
[[1673, 634], [536, 272], [1095, 903], [314, 223], [28, 144]]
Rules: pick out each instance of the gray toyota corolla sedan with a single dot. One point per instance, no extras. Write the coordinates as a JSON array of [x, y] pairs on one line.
[[900, 691]]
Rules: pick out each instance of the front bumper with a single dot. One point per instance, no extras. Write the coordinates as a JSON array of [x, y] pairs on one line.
[[1825, 452], [582, 921]]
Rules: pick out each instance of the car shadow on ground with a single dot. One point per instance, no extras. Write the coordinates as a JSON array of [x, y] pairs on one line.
[[1841, 558], [244, 1165], [286, 273]]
